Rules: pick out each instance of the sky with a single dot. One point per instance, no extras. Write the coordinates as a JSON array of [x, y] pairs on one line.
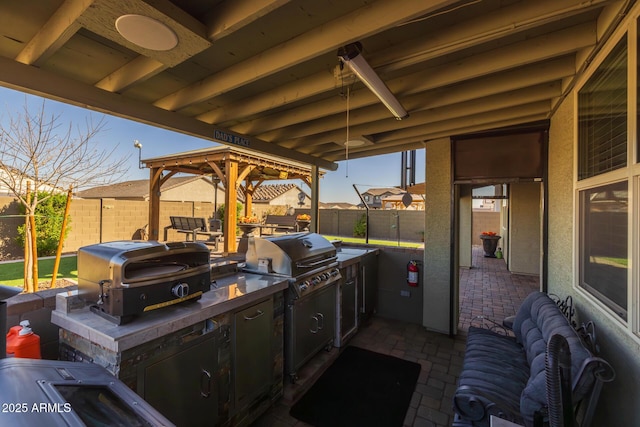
[[336, 186]]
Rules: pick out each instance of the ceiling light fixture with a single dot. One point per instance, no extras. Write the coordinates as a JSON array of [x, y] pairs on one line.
[[146, 32], [351, 55]]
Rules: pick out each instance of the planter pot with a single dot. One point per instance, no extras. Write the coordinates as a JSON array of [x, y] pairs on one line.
[[489, 245], [303, 225], [247, 229]]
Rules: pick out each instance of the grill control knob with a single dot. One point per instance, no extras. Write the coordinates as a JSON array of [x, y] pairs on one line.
[[180, 290], [324, 276], [303, 287]]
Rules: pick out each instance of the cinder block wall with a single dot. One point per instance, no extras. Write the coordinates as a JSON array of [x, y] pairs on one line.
[[383, 224], [484, 221]]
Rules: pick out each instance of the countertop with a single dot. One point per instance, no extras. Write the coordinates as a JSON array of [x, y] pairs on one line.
[[227, 294], [348, 255]]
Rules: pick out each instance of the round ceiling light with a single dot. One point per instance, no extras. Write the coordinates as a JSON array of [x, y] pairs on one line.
[[356, 142], [146, 32]]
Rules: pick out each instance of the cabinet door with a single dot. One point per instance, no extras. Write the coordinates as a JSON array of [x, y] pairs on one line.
[[182, 386], [253, 361], [369, 284], [325, 311]]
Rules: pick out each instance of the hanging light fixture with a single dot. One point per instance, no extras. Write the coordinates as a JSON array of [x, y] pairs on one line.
[[351, 55]]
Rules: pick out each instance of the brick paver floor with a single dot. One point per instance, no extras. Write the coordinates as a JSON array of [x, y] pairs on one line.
[[486, 289]]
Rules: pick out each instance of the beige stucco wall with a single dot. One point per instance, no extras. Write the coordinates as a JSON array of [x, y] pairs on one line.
[[525, 231], [437, 270], [466, 223], [617, 405], [198, 190]]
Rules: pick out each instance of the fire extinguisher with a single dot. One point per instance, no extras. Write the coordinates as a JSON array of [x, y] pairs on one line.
[[412, 271]]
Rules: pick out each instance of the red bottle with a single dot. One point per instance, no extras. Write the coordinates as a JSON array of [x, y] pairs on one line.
[[22, 342]]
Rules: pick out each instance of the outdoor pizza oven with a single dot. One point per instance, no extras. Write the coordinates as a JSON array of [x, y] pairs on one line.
[[125, 278]]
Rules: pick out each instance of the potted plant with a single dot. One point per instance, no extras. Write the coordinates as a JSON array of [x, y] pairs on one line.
[[248, 224], [489, 243], [303, 221]]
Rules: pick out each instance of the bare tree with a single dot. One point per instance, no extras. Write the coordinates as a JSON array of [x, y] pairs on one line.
[[40, 151]]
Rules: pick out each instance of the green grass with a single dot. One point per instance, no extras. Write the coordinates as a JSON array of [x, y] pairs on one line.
[[360, 240], [12, 273]]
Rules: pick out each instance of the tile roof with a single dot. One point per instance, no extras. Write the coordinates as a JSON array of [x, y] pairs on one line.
[[267, 192], [132, 189]]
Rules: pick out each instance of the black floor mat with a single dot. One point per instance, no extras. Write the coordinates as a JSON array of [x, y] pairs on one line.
[[361, 388]]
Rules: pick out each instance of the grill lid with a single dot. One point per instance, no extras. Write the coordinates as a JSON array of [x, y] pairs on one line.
[[289, 255]]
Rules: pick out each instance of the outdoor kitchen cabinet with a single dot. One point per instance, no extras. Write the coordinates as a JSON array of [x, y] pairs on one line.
[[184, 386], [368, 286], [252, 342]]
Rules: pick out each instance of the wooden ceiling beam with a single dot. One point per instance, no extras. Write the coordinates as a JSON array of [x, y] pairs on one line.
[[232, 15], [535, 50], [312, 132], [328, 37], [500, 23], [499, 101], [134, 72], [54, 33]]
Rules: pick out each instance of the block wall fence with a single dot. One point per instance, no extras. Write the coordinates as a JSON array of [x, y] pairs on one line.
[[104, 220]]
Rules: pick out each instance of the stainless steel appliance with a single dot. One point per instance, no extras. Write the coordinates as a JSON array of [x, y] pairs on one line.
[[56, 393], [125, 278], [309, 261], [347, 304]]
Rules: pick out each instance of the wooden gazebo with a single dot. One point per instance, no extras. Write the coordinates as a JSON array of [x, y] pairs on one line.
[[236, 168]]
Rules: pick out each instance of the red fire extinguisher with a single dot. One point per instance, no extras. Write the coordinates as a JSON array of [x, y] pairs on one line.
[[412, 271]]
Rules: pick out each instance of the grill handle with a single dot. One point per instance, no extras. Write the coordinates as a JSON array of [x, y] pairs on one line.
[[317, 263], [205, 381], [315, 331], [320, 321], [258, 314]]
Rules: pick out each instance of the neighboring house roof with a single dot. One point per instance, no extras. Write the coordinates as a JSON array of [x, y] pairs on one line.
[[383, 191], [267, 192], [10, 173], [337, 205], [137, 189], [419, 188]]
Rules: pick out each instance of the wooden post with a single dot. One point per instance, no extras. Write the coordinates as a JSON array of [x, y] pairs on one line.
[[230, 204], [56, 263], [27, 239], [155, 175], [34, 251], [248, 198]]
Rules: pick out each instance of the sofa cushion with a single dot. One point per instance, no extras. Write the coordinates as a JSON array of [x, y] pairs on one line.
[[536, 322], [495, 366]]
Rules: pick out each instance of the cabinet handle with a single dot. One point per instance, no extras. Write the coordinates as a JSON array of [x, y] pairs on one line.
[[321, 322], [258, 314], [205, 384], [317, 323]]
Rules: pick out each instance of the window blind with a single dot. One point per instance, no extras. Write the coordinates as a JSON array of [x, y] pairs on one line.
[[602, 116]]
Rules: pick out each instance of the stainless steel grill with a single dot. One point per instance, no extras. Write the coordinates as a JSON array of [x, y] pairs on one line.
[[124, 278], [309, 261]]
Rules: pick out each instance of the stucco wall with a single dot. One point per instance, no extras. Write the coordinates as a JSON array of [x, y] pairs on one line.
[[524, 228], [437, 257], [617, 402]]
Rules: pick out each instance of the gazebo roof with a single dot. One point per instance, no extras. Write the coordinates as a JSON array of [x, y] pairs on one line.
[[205, 161]]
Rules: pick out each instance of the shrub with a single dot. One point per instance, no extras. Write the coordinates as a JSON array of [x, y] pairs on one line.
[[360, 228], [48, 217]]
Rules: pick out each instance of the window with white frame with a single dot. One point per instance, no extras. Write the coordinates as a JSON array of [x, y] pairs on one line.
[[604, 179]]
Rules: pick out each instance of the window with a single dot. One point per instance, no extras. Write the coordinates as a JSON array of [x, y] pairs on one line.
[[603, 244], [602, 116], [605, 177]]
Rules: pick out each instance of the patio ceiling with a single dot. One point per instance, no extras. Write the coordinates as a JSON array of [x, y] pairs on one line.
[[265, 74]]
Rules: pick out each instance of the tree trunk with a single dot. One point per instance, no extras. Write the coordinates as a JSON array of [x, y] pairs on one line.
[[56, 264]]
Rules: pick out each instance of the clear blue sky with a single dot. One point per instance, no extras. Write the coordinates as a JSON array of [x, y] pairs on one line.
[[337, 186]]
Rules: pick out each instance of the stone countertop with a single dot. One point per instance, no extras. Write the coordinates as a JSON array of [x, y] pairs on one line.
[[226, 294], [348, 256]]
